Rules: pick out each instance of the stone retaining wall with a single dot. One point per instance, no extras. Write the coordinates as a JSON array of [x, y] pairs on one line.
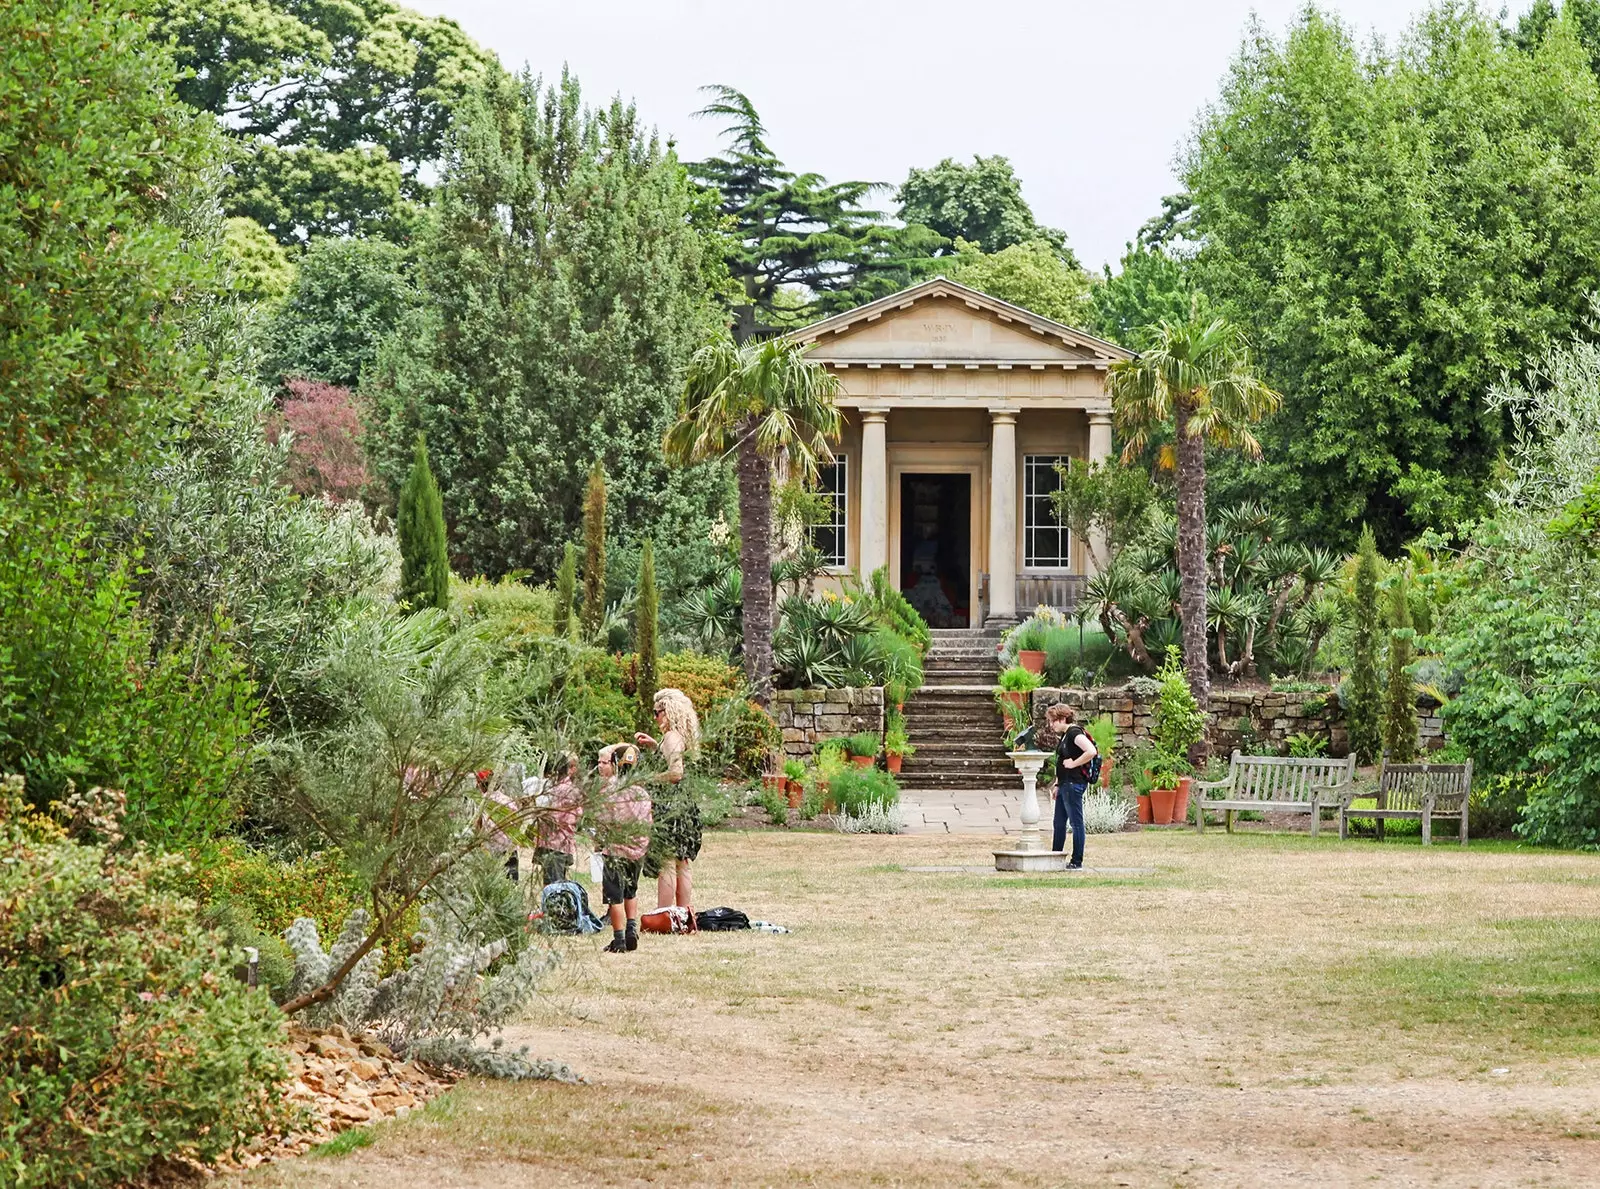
[[807, 717], [1255, 721]]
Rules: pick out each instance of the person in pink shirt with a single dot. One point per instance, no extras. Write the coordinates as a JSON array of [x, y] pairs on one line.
[[557, 823], [627, 833]]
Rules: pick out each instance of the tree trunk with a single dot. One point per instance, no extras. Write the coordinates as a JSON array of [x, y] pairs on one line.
[[1192, 561], [755, 562]]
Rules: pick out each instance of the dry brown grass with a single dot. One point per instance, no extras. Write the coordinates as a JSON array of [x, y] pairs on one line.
[[1261, 1010]]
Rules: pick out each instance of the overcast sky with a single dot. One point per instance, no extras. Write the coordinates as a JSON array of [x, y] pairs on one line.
[[1089, 100]]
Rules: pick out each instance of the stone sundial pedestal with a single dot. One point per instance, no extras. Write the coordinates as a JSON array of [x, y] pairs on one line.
[[1030, 854]]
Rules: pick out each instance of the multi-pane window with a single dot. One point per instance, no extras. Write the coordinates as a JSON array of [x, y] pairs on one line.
[[828, 537], [1045, 543]]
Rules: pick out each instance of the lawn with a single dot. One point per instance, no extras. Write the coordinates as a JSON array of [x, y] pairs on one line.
[[1261, 1009]]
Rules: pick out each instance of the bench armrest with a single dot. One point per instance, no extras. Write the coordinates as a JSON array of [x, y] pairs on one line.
[[1200, 785]]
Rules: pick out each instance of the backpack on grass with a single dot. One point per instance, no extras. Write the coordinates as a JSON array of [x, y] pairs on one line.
[[721, 920], [565, 906]]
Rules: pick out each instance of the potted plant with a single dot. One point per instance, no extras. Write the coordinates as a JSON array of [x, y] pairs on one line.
[[896, 743], [1104, 733], [1141, 786], [1014, 699], [1179, 724], [863, 748], [1164, 772], [831, 761], [794, 773], [1030, 646]]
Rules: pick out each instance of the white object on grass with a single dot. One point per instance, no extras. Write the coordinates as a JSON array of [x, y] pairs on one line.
[[597, 868]]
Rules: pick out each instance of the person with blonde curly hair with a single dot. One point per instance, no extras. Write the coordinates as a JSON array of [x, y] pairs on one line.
[[675, 836]]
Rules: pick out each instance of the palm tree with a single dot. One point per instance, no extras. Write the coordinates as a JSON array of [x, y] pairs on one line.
[[765, 401], [1197, 377]]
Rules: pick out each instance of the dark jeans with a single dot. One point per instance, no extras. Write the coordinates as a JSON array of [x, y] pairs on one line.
[[1069, 805]]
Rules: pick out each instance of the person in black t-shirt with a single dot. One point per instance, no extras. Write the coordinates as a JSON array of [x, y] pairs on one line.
[[1073, 754]]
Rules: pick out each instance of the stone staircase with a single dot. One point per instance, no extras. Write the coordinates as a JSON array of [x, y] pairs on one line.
[[952, 720]]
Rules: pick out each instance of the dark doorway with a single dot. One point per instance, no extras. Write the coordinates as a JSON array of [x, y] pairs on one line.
[[936, 547]]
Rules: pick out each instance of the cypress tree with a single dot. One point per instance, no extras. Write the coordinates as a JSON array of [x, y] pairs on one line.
[[424, 562], [645, 636], [566, 584], [594, 552], [1400, 699], [1363, 704]]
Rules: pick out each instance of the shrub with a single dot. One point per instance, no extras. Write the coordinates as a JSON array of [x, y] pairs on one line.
[[707, 680], [877, 818], [126, 1039], [775, 804], [737, 738], [566, 586], [646, 638], [507, 613], [594, 552], [1106, 813], [1030, 637], [896, 611], [87, 694], [1179, 723], [325, 455], [854, 789], [1400, 694], [1306, 745]]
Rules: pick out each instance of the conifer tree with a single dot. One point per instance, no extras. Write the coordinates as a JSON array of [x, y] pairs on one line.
[[646, 641], [1363, 705], [1400, 700], [566, 586], [424, 563], [594, 551]]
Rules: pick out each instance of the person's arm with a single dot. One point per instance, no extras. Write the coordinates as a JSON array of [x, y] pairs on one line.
[[1086, 751], [672, 750]]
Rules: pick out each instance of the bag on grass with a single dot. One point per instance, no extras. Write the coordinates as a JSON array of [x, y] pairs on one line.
[[722, 920], [565, 906], [667, 920]]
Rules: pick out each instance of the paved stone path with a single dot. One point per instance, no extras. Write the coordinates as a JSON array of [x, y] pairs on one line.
[[961, 811]]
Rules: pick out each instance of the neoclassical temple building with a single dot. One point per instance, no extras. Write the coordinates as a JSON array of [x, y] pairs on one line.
[[958, 406]]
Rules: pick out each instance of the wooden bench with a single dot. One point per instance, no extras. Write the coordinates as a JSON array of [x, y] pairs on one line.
[[1281, 784], [1415, 792]]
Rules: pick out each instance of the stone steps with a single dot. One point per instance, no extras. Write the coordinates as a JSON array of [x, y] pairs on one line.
[[958, 734]]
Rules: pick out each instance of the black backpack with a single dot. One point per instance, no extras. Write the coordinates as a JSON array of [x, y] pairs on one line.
[[1090, 772], [721, 920]]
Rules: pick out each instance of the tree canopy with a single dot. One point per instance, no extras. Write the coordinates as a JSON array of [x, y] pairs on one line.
[[1395, 229], [344, 106], [1030, 274], [560, 295], [801, 246], [981, 203]]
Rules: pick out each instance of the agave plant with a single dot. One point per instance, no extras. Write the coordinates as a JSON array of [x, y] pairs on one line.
[[714, 614], [805, 664]]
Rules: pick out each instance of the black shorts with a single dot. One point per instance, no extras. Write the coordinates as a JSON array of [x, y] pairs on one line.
[[619, 880]]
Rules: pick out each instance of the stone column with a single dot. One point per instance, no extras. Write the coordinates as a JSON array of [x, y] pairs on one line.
[[874, 515], [1099, 451], [1003, 514]]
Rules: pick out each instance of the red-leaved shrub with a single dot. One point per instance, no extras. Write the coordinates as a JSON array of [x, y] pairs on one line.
[[325, 455]]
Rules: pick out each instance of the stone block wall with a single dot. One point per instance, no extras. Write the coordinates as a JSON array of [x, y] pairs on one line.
[[807, 717], [1256, 721]]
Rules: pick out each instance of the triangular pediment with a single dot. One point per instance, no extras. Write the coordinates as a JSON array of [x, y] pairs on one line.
[[942, 321]]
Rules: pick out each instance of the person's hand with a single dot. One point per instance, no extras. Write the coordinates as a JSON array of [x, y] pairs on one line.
[[643, 740]]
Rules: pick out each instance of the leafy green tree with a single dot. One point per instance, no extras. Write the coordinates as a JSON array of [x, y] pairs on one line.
[[344, 108], [561, 292], [1031, 274], [566, 588], [1581, 16], [802, 246], [424, 560], [981, 203], [1198, 379], [1400, 694], [1150, 287], [347, 296], [1396, 227], [94, 157], [646, 637], [594, 552], [258, 262], [763, 401], [1106, 505], [1363, 700]]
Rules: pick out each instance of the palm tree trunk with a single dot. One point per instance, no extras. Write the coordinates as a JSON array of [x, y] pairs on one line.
[[1192, 561], [755, 562]]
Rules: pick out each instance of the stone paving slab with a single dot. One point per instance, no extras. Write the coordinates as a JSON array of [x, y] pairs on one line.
[[964, 812]]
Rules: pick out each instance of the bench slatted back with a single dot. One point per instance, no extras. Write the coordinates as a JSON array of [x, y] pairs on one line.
[[1406, 786], [1287, 778]]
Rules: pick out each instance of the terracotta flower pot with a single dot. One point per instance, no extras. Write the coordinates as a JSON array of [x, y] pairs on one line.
[[1144, 808], [1017, 697], [895, 759], [1180, 802], [796, 793], [1161, 805], [1106, 764], [1031, 660], [862, 761]]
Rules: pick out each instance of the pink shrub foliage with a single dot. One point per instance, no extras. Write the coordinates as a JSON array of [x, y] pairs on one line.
[[325, 454]]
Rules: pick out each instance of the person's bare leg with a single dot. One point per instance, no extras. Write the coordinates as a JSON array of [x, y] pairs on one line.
[[666, 884], [686, 884], [614, 914]]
